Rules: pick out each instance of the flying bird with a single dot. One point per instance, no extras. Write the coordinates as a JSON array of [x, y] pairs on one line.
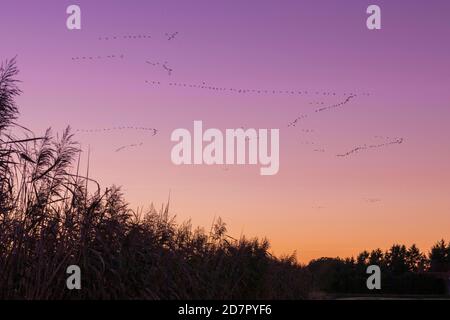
[[373, 146], [171, 36], [129, 146]]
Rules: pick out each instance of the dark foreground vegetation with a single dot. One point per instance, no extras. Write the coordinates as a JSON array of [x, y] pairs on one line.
[[52, 216]]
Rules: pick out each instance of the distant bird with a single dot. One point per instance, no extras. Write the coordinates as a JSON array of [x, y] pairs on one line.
[[171, 36], [169, 70], [254, 91], [351, 151], [294, 123], [164, 65], [129, 146], [373, 146], [349, 98], [155, 131]]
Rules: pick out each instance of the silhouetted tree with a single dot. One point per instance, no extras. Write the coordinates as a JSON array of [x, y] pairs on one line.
[[396, 259], [362, 258], [415, 260], [440, 257], [377, 258]]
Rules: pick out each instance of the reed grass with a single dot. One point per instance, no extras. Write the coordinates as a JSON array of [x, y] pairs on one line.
[[50, 218]]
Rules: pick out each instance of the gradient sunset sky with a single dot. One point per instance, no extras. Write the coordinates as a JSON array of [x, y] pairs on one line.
[[318, 204]]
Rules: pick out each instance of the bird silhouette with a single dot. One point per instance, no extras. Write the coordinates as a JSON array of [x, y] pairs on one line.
[[98, 57], [246, 90], [153, 130], [372, 146], [296, 120], [349, 98], [136, 36], [129, 146], [169, 70], [171, 36]]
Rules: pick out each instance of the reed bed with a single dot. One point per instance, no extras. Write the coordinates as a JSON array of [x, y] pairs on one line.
[[52, 216]]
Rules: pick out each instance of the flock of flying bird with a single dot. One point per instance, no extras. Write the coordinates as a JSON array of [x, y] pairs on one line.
[[372, 146], [171, 36], [333, 106], [168, 35], [153, 131], [387, 140], [291, 92], [127, 37], [297, 120], [111, 56], [164, 66], [130, 146], [322, 106], [349, 98]]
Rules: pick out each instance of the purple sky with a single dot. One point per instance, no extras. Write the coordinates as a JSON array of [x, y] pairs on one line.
[[317, 204]]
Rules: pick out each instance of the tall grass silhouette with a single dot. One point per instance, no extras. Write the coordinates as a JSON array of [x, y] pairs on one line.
[[49, 219], [52, 216]]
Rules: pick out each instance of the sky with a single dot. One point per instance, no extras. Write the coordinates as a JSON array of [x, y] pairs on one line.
[[319, 203]]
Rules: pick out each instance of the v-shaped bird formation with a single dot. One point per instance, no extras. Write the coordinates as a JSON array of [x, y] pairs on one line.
[[321, 104]]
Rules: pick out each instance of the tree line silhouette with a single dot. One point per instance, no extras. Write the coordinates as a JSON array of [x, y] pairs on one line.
[[403, 271]]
